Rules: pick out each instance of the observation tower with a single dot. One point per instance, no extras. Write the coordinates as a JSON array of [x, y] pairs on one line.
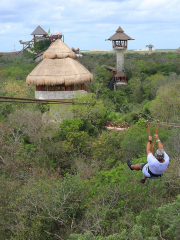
[[120, 45]]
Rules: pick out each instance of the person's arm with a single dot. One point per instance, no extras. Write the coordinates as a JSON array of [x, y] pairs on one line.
[[148, 148], [160, 146]]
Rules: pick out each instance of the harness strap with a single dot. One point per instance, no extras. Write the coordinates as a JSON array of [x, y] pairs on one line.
[[152, 174]]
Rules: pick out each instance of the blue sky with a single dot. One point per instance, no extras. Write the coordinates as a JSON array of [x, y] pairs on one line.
[[87, 23]]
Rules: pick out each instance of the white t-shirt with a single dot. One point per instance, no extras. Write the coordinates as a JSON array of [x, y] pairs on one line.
[[154, 165]]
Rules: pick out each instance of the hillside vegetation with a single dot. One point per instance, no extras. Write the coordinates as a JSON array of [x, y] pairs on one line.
[[69, 179]]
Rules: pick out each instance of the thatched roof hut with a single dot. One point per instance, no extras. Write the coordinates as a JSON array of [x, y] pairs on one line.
[[59, 75], [59, 50], [53, 72]]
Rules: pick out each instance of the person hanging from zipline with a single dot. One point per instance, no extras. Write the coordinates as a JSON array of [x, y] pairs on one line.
[[156, 165]]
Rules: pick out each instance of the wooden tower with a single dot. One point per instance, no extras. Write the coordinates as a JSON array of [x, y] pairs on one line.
[[39, 34], [120, 45]]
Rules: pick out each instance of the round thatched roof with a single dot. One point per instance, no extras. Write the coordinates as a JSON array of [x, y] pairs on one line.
[[58, 50], [52, 72]]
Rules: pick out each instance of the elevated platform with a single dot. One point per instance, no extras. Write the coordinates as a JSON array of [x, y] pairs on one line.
[[120, 47], [110, 68], [120, 79], [121, 83]]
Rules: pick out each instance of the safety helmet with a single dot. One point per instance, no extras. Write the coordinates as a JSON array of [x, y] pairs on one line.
[[159, 154]]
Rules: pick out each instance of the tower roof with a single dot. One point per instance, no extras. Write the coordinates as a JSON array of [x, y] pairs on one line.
[[120, 30], [120, 35], [39, 31]]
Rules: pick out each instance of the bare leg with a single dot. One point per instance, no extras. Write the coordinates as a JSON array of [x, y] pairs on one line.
[[136, 167]]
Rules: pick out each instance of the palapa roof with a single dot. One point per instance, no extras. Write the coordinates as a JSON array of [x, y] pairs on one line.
[[52, 72], [120, 35], [59, 50], [39, 31]]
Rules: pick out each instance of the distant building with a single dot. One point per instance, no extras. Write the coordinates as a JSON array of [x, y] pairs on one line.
[[120, 45], [178, 50], [150, 46], [39, 34]]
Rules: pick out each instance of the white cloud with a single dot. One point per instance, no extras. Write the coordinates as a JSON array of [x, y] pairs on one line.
[[87, 24], [5, 29], [152, 4]]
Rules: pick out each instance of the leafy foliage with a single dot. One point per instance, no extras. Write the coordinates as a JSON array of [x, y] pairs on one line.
[[67, 178], [42, 45]]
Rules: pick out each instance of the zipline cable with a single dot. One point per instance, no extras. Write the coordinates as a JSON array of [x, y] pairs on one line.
[[167, 124], [36, 100], [71, 101], [49, 101], [136, 109], [11, 101], [153, 122]]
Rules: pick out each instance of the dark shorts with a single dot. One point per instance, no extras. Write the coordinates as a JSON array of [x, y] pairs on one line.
[[142, 165]]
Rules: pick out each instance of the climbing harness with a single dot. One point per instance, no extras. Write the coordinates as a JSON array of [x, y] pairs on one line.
[[153, 175], [152, 144]]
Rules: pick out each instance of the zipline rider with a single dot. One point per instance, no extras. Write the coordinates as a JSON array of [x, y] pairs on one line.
[[155, 165]]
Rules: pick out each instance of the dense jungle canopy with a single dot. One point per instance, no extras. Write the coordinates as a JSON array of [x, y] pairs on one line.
[[69, 179]]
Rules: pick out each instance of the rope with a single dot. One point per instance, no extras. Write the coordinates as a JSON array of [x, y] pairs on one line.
[[167, 124], [71, 101], [152, 144], [10, 101], [153, 122], [49, 101], [148, 117], [149, 134]]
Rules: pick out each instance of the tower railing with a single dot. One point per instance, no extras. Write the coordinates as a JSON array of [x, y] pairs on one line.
[[120, 46]]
